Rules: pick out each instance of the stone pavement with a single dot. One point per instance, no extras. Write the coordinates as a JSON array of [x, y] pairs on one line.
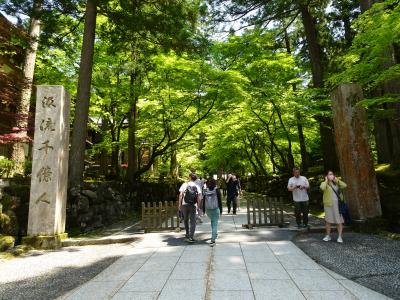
[[243, 265]]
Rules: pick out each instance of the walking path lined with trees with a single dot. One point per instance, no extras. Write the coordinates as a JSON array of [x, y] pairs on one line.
[[240, 266], [159, 88], [248, 264]]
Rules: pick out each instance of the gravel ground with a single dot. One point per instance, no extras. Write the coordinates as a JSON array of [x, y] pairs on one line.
[[372, 261], [50, 274]]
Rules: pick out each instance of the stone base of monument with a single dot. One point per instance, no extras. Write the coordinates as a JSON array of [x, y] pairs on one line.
[[45, 241]]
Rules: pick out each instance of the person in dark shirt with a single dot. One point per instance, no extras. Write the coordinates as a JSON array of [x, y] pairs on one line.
[[232, 189]]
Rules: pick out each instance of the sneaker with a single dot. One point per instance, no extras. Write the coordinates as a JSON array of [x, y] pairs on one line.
[[191, 240], [326, 238], [212, 243], [339, 239], [186, 236], [298, 226]]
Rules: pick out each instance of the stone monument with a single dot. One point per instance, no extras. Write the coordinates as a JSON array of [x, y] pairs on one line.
[[48, 195]]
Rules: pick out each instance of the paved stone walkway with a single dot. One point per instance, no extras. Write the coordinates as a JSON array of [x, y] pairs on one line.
[[243, 265]]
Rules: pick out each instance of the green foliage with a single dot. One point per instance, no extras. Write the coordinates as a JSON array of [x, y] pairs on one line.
[[6, 242], [233, 104], [6, 167], [371, 58]]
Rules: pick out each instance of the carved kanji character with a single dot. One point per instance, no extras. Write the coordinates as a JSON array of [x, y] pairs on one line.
[[46, 146], [47, 125], [48, 102], [44, 174]]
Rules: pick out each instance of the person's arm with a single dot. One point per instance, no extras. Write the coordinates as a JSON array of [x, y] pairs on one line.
[[307, 184], [180, 199], [324, 185], [342, 185], [199, 191], [219, 201], [291, 187], [181, 194]]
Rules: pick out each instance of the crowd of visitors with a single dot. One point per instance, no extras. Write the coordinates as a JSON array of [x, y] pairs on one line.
[[198, 197]]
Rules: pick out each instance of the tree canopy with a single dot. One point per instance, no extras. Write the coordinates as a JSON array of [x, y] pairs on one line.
[[169, 93]]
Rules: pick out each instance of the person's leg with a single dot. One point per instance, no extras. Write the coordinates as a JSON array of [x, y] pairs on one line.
[[210, 214], [228, 204], [214, 224], [305, 210], [328, 228], [297, 213], [185, 213], [192, 216], [327, 238], [340, 229], [234, 204]]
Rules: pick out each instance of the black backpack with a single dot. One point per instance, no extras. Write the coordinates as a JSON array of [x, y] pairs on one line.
[[191, 195]]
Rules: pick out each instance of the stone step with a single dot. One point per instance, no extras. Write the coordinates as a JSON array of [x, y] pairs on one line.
[[114, 239]]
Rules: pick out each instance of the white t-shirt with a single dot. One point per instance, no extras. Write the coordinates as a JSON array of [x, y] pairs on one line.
[[200, 185], [184, 186], [298, 194]]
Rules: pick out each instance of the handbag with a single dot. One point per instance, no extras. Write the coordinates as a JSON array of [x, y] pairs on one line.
[[343, 208]]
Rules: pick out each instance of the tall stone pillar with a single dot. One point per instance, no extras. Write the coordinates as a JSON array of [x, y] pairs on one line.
[[352, 144], [48, 196]]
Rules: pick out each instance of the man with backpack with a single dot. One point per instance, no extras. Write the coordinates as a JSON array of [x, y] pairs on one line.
[[189, 200], [212, 206]]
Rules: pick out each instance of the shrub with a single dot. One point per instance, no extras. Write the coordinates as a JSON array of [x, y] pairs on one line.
[[6, 166]]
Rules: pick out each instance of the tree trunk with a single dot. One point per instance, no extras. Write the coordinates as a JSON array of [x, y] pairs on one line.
[[328, 143], [132, 150], [114, 154], [325, 124], [314, 48], [366, 4], [103, 153], [174, 167], [387, 131], [382, 141], [79, 131], [303, 149], [18, 152], [356, 164], [302, 142]]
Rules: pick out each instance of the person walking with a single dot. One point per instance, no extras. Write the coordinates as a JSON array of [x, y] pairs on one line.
[[212, 207], [332, 187], [240, 193], [222, 185], [232, 192], [298, 185], [200, 184], [189, 200]]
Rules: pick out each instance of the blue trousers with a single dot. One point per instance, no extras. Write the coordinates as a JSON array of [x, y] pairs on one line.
[[213, 214]]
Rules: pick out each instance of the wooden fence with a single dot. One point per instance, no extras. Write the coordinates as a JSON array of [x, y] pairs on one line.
[[158, 216], [264, 211]]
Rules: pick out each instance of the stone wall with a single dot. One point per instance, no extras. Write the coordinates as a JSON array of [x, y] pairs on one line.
[[94, 205], [277, 186]]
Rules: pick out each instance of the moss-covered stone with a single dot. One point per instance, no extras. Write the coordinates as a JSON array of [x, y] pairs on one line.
[[6, 242], [9, 223], [44, 241]]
